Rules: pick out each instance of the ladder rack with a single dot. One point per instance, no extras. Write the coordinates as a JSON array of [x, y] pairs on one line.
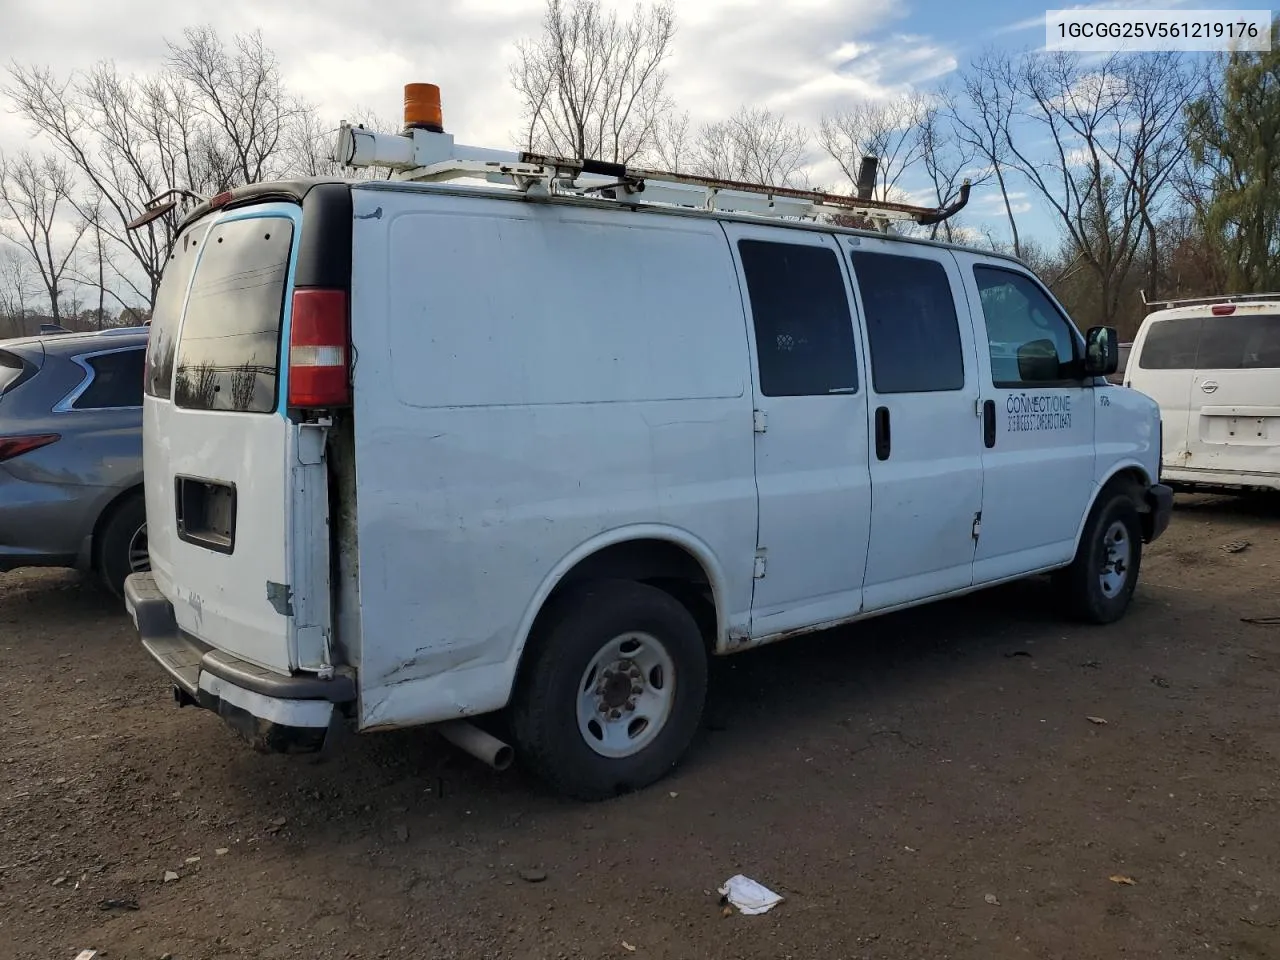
[[422, 155]]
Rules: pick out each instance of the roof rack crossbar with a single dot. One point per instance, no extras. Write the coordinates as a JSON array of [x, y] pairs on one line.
[[422, 155], [1205, 301]]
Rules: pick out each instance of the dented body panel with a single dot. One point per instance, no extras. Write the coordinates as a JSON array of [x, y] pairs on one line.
[[495, 442]]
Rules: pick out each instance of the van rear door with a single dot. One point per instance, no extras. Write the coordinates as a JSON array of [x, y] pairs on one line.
[[219, 451], [1234, 423]]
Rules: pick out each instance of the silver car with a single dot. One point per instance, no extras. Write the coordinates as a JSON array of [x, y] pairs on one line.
[[71, 453]]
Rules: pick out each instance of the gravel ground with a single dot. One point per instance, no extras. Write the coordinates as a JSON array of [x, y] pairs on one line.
[[927, 785]]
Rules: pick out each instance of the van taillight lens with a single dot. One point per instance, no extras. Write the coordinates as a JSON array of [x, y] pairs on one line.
[[319, 349], [11, 447]]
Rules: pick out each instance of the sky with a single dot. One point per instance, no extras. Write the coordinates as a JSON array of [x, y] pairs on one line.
[[801, 57]]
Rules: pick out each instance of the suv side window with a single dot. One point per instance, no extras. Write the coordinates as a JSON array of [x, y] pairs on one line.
[[117, 381], [1029, 339], [804, 329], [912, 329]]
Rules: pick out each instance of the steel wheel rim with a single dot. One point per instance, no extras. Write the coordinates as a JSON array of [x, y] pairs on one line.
[[139, 557], [626, 695], [1117, 554]]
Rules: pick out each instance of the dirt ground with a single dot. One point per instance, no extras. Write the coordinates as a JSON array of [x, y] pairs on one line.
[[929, 785]]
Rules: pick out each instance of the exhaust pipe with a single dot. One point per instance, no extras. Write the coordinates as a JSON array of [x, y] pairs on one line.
[[467, 736]]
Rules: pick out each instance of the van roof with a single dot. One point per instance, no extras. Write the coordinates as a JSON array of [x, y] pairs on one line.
[[295, 191]]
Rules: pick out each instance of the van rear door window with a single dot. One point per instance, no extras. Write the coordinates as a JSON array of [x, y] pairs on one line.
[[1240, 342], [229, 354], [166, 316]]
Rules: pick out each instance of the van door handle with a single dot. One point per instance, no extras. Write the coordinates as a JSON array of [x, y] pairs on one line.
[[989, 423], [883, 444]]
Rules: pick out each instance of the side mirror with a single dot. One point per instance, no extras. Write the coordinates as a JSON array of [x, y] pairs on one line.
[[1038, 362], [1101, 352]]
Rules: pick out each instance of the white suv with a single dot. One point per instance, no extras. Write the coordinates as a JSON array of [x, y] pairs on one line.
[[1214, 368]]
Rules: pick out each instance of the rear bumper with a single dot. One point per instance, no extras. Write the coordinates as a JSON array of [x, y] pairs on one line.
[[1155, 521], [272, 712], [1208, 479]]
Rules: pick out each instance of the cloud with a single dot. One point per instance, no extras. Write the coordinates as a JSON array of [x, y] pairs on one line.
[[803, 57]]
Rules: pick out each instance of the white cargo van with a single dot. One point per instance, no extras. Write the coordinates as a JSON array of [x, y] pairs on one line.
[[1213, 365], [420, 451]]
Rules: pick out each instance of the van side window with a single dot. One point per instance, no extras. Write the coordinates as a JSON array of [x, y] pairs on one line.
[[117, 381], [804, 329], [912, 330], [1171, 344], [1029, 339]]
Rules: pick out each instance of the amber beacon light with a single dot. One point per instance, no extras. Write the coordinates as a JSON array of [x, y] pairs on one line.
[[422, 107]]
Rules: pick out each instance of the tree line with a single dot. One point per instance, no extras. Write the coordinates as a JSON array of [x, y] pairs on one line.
[[1157, 170]]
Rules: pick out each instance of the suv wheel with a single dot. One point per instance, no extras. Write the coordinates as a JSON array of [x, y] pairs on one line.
[[122, 544]]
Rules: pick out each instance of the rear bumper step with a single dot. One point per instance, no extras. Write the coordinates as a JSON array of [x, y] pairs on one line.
[[274, 713]]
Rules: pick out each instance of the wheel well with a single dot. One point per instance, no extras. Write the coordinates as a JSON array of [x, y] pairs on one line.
[[1132, 479], [104, 518], [658, 563]]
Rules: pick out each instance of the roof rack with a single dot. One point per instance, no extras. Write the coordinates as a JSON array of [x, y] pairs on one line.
[[1205, 301], [425, 153]]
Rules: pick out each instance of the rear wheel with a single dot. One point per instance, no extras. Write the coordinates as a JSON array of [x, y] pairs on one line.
[[1099, 584], [613, 690], [122, 543]]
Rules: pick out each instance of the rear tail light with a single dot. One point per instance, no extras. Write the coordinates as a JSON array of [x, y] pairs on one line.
[[11, 447], [1223, 309], [319, 338]]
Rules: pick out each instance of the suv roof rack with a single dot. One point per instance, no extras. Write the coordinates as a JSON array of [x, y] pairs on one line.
[[423, 152], [1206, 301]]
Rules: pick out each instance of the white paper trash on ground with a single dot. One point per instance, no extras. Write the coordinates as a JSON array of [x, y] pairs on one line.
[[748, 896]]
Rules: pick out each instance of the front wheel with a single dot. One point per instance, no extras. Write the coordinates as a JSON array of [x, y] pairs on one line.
[[1099, 584], [612, 692]]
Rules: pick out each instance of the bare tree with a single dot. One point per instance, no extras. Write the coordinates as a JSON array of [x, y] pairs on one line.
[[214, 118], [1151, 147], [672, 144], [981, 114], [889, 130], [16, 286], [593, 84], [241, 92], [754, 145], [35, 194], [1082, 111], [948, 159]]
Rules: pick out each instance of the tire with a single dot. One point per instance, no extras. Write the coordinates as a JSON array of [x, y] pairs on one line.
[[1090, 589], [559, 696], [118, 538]]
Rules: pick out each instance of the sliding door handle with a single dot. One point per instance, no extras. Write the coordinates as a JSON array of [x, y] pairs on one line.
[[883, 439]]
